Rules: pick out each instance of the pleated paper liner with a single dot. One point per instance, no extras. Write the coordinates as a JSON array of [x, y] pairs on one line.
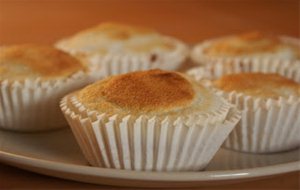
[[267, 125], [115, 63], [198, 55], [147, 144], [33, 104], [273, 125]]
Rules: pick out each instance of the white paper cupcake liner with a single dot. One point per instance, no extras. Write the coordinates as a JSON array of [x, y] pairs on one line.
[[198, 56], [146, 144], [115, 64], [272, 126], [33, 105], [267, 125]]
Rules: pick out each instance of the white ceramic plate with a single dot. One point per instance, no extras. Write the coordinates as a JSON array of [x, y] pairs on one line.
[[56, 153]]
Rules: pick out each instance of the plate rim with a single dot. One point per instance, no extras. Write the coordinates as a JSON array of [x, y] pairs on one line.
[[185, 176]]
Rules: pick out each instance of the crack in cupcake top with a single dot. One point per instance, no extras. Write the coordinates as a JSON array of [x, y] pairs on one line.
[[33, 61], [115, 38], [263, 85], [249, 44], [148, 92]]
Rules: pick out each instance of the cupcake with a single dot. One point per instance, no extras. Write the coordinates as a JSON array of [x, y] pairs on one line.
[[253, 45], [268, 96], [149, 120], [33, 79], [113, 49]]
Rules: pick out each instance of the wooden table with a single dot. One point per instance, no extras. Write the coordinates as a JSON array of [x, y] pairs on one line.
[[46, 21]]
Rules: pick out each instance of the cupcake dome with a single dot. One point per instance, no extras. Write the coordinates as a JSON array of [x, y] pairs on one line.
[[33, 61], [32, 79], [150, 120], [268, 95], [254, 45], [115, 48], [260, 85], [153, 92]]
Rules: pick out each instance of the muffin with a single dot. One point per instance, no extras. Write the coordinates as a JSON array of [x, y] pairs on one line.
[[252, 45], [112, 49], [268, 96], [149, 120], [33, 79]]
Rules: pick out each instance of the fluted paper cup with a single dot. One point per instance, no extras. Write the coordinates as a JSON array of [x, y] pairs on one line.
[[33, 104], [147, 144], [267, 125]]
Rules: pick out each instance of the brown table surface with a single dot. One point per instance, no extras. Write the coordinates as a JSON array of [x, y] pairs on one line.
[[46, 21]]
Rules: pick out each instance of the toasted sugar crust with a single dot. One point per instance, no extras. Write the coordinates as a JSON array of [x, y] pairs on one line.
[[249, 43], [113, 37], [148, 90], [148, 47], [21, 61], [144, 91], [254, 36], [118, 31], [259, 85]]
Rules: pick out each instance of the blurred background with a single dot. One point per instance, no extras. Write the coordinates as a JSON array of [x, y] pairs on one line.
[[46, 21]]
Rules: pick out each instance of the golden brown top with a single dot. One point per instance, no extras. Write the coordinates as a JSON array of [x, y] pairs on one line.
[[259, 85], [30, 61], [254, 36], [143, 91], [119, 31], [253, 43], [115, 38]]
